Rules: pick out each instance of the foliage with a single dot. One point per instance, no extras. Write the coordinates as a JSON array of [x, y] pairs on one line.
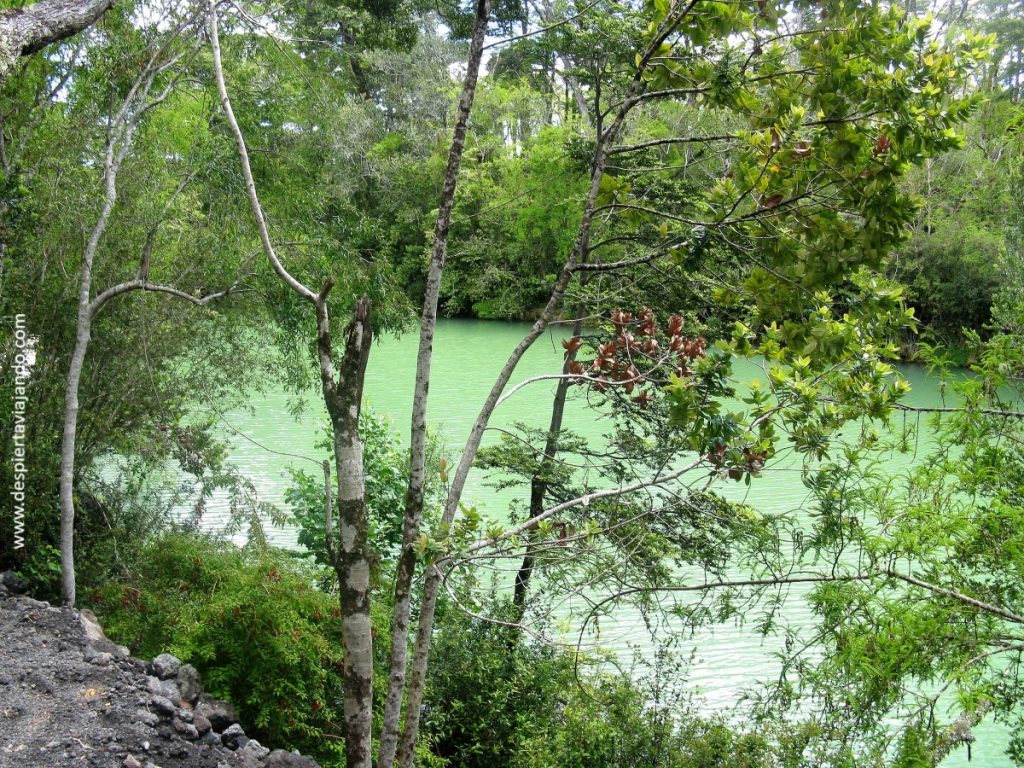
[[757, 189], [152, 359], [386, 480], [497, 698], [957, 255], [250, 620]]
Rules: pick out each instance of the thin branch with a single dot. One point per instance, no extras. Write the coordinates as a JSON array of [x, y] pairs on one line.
[[243, 153]]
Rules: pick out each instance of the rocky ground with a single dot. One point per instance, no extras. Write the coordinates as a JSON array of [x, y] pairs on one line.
[[71, 697]]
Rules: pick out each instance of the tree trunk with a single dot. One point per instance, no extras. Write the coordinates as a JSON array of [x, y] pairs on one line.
[[352, 562], [67, 450], [83, 333], [538, 484], [27, 30], [581, 247], [343, 398], [417, 464]]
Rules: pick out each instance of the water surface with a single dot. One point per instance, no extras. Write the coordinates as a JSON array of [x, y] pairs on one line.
[[468, 354]]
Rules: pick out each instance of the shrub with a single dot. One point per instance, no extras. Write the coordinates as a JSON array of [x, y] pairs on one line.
[[386, 475], [487, 690], [496, 699], [252, 623]]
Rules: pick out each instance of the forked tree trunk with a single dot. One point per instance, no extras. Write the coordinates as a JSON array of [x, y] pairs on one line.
[[120, 134], [352, 561], [343, 397], [418, 433], [83, 332]]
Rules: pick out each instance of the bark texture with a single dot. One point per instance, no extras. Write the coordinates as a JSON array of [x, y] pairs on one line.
[[352, 561], [417, 465], [27, 30], [343, 394]]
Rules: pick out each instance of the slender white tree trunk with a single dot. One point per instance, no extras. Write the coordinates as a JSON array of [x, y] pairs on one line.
[[120, 134], [606, 137], [83, 333], [418, 432], [67, 453]]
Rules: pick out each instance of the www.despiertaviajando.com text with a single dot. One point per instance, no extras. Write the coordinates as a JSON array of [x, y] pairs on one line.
[[20, 372]]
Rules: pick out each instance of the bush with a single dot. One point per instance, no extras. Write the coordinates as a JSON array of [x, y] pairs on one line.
[[269, 641], [487, 690], [253, 625], [386, 470], [495, 699]]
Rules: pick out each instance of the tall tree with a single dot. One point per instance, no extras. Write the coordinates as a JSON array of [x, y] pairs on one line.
[[797, 203], [818, 154], [144, 94]]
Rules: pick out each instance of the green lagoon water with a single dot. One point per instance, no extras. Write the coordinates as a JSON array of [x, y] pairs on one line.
[[728, 658]]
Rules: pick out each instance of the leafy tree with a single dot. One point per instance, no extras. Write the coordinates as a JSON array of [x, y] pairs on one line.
[[738, 164]]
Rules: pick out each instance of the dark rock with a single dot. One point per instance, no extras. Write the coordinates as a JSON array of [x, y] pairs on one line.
[[163, 705], [211, 738], [279, 758], [35, 680], [219, 713], [13, 583], [246, 760], [165, 688], [146, 717], [254, 748], [234, 737], [165, 666], [101, 659], [179, 749], [188, 683], [201, 722], [99, 709], [185, 729]]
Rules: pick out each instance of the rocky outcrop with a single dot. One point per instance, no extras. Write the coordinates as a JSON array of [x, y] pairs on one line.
[[71, 697]]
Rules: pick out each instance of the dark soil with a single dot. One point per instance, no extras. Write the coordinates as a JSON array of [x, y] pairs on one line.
[[70, 697]]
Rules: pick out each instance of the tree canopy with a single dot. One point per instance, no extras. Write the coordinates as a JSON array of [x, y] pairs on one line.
[[204, 201]]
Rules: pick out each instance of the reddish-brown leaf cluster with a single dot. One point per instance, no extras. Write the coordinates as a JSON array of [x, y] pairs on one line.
[[753, 461], [635, 356]]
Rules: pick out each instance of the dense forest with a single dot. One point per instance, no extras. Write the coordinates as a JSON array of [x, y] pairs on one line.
[[205, 201]]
